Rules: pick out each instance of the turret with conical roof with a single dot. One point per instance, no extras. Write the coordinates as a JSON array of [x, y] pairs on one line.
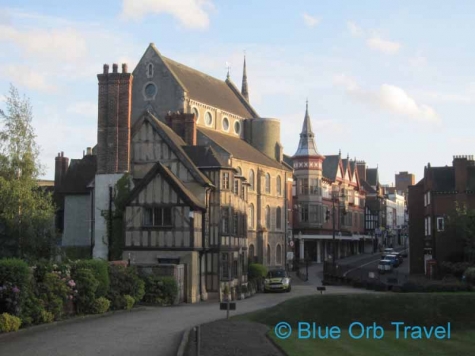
[[244, 89], [307, 146]]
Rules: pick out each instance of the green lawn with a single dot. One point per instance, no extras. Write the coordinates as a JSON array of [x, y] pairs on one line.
[[461, 343]]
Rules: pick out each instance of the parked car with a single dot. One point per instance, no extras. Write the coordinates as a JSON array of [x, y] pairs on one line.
[[399, 256], [388, 251], [277, 280], [385, 266], [393, 258]]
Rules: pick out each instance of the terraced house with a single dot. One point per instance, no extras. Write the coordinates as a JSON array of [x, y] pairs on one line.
[[209, 178]]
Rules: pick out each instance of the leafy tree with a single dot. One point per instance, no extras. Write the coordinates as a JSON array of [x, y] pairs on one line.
[[461, 226], [26, 211]]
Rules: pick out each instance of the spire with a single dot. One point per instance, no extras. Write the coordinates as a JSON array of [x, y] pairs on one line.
[[307, 146], [244, 89]]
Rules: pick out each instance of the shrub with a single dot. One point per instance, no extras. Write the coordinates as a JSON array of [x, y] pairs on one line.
[[256, 271], [86, 285], [15, 276], [455, 268], [129, 302], [124, 281], [9, 323], [46, 316], [41, 269], [31, 312], [100, 305], [53, 292], [469, 275], [100, 269], [431, 286], [160, 290]]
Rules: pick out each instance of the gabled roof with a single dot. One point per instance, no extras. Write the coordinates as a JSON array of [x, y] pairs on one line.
[[175, 142], [209, 90], [330, 167], [183, 192], [205, 157], [79, 174], [367, 187], [240, 149], [372, 176]]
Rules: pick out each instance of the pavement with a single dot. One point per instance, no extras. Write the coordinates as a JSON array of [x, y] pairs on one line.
[[148, 331]]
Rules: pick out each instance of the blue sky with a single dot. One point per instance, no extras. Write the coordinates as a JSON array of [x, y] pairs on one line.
[[391, 83]]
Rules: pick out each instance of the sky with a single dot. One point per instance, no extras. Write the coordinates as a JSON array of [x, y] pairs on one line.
[[390, 83]]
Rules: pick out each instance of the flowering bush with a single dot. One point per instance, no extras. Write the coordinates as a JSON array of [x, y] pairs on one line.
[[10, 299], [124, 281], [86, 286], [53, 292], [9, 323]]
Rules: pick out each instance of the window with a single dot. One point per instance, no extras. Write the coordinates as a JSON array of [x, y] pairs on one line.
[[251, 252], [267, 215], [235, 223], [279, 185], [429, 227], [225, 184], [428, 198], [278, 218], [236, 187], [278, 255], [237, 127], [425, 227], [150, 90], [425, 199], [304, 213], [239, 171], [235, 269], [251, 216], [267, 183], [315, 187], [243, 192], [196, 113], [225, 221], [225, 266], [226, 124], [208, 119], [440, 224], [268, 254], [150, 70], [157, 217], [303, 186], [251, 179]]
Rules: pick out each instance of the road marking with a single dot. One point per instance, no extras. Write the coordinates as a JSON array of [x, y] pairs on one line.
[[351, 270]]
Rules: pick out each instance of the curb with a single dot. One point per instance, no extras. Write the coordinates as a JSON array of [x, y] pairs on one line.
[[275, 344], [34, 328], [184, 342]]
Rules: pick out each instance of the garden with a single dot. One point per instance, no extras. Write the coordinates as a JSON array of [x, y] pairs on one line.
[[46, 292]]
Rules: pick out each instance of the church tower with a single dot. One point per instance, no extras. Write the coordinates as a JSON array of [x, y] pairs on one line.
[[307, 163], [244, 89]]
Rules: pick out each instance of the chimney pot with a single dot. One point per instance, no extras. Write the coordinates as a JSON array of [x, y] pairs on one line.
[[62, 154], [124, 68], [89, 151], [114, 68], [106, 69]]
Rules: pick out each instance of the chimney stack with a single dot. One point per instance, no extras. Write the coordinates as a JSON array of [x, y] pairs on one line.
[[361, 167], [60, 169], [184, 125], [89, 151]]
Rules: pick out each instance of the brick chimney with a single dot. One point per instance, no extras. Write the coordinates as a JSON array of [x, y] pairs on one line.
[[60, 169], [460, 164], [113, 124], [184, 125], [361, 167]]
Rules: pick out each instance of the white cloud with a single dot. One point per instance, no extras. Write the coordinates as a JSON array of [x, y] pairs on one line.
[[83, 108], [390, 98], [310, 21], [354, 29], [64, 44], [190, 13], [385, 46], [25, 76]]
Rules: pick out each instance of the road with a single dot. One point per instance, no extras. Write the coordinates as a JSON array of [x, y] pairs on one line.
[[151, 331]]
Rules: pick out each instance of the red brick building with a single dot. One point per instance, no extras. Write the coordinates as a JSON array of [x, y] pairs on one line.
[[429, 202]]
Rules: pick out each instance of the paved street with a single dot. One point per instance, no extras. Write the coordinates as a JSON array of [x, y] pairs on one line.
[[153, 331]]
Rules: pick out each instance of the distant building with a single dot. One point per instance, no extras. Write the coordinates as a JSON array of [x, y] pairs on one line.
[[429, 202], [403, 181]]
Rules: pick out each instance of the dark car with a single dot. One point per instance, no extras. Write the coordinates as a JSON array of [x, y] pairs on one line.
[[277, 280], [393, 258], [399, 256]]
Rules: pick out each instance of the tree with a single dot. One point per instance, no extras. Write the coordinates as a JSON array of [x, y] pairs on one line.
[[26, 211], [461, 226]]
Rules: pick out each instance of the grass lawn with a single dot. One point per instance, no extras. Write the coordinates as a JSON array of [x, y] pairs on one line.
[[460, 343]]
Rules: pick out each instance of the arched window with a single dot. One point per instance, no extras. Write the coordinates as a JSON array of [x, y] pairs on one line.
[[196, 112], [226, 124], [267, 215], [251, 179], [239, 171], [150, 70], [278, 255], [208, 119], [268, 254], [267, 183], [278, 218], [279, 186], [251, 252], [250, 217]]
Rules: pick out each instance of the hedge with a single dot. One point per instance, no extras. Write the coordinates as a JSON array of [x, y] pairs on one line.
[[100, 269], [256, 271]]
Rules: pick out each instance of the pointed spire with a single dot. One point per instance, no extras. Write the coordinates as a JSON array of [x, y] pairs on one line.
[[307, 146], [339, 152], [244, 89]]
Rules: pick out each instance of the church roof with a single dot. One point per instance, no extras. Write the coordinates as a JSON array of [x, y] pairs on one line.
[[240, 149], [307, 146], [78, 176], [205, 157], [209, 90]]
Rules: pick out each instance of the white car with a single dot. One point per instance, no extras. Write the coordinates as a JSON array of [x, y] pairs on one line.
[[385, 266], [388, 251]]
